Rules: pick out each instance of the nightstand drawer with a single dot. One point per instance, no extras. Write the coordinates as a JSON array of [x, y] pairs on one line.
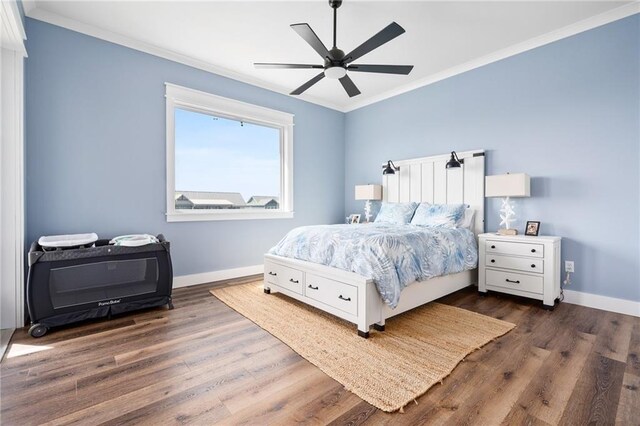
[[289, 278], [528, 283], [515, 249], [517, 263], [333, 293]]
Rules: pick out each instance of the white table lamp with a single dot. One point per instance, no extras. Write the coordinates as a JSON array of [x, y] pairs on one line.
[[506, 186], [368, 193]]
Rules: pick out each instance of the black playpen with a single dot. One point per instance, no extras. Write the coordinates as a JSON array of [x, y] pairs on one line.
[[69, 285]]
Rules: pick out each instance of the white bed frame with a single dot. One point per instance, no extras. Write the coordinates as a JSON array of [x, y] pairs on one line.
[[355, 298]]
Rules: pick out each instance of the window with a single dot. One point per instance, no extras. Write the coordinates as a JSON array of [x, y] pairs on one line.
[[226, 159]]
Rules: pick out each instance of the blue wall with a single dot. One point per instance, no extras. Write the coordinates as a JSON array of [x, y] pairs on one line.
[[95, 150], [567, 114]]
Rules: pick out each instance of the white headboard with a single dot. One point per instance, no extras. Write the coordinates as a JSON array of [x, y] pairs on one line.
[[427, 180]]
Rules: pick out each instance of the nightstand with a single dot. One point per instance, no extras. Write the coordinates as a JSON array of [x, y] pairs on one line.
[[521, 265]]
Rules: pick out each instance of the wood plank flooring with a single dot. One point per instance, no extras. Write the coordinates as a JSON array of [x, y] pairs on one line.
[[203, 363]]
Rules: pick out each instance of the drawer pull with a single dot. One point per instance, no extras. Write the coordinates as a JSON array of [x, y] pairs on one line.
[[511, 281], [533, 265], [493, 261], [533, 250], [294, 281], [312, 287], [348, 299], [272, 273], [493, 246]]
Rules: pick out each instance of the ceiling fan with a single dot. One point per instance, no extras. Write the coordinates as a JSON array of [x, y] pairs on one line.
[[336, 63]]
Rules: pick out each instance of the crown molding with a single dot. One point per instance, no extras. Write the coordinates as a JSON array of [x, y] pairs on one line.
[[32, 11], [12, 32], [35, 12], [28, 6], [564, 32]]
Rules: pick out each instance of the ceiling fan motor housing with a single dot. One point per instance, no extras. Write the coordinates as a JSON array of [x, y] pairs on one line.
[[336, 57]]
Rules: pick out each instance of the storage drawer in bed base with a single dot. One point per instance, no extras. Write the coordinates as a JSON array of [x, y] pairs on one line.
[[351, 296]]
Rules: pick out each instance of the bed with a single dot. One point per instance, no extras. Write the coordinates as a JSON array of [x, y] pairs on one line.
[[367, 273]]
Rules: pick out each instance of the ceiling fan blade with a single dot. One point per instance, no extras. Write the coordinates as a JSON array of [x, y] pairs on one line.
[[305, 31], [268, 65], [349, 86], [384, 69], [390, 32], [308, 84]]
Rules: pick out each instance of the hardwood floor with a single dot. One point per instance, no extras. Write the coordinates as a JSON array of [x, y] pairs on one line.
[[203, 363]]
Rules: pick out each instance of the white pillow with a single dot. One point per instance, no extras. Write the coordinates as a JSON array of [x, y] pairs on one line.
[[467, 220]]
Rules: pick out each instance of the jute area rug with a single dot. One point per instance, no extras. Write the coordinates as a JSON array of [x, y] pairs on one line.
[[390, 369]]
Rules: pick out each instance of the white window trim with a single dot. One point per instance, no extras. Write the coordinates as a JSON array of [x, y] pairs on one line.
[[195, 100]]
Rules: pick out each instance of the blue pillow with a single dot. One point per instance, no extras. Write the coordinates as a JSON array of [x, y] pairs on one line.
[[396, 213], [438, 215]]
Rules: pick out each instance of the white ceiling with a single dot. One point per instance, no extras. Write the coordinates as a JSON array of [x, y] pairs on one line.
[[441, 39]]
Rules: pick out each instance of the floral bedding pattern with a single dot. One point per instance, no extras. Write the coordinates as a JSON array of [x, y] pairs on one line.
[[392, 255]]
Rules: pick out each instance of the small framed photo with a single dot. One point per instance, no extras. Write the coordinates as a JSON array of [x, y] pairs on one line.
[[532, 228], [354, 218]]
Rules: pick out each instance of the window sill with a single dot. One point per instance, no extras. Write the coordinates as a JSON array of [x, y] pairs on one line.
[[192, 216]]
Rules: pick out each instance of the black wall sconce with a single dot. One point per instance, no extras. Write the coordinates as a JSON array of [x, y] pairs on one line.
[[454, 161], [390, 168]]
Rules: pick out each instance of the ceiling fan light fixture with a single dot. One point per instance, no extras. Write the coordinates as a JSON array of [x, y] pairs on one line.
[[335, 72]]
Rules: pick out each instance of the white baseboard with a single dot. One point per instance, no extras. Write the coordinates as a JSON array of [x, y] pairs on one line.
[[208, 277], [5, 337], [621, 306]]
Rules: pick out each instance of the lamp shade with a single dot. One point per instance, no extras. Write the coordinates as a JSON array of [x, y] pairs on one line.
[[368, 192], [509, 185]]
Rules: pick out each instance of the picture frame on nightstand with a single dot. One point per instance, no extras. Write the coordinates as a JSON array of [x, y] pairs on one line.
[[532, 228], [354, 219]]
